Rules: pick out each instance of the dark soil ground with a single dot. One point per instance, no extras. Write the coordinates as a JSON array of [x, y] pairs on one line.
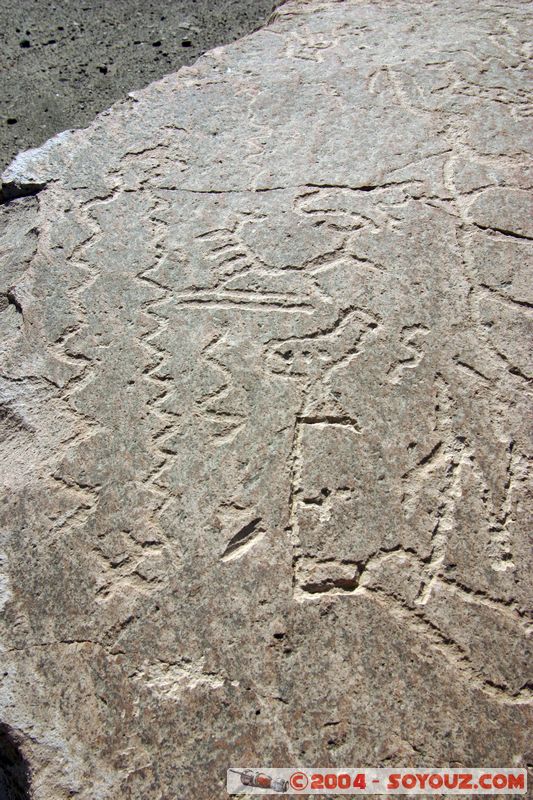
[[62, 62]]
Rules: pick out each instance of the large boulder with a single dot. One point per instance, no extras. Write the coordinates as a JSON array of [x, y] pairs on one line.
[[264, 391]]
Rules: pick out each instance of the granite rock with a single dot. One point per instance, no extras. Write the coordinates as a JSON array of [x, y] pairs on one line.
[[265, 383]]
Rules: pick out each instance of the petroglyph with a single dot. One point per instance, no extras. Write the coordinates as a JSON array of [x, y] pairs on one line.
[[264, 391], [411, 337]]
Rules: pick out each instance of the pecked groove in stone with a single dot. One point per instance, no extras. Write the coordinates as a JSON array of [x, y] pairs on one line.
[[263, 412]]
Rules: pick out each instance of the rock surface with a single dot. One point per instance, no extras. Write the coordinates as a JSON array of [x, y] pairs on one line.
[[265, 381]]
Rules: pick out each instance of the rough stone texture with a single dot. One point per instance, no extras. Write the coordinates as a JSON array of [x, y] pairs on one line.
[[63, 62], [265, 383]]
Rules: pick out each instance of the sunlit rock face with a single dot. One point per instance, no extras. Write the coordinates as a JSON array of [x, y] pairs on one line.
[[264, 411]]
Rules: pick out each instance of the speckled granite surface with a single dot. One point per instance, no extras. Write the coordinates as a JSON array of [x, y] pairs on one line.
[[265, 381]]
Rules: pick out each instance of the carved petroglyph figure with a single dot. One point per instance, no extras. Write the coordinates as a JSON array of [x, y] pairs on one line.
[[264, 390]]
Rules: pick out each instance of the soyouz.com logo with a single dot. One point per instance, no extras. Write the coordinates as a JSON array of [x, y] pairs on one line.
[[410, 781]]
